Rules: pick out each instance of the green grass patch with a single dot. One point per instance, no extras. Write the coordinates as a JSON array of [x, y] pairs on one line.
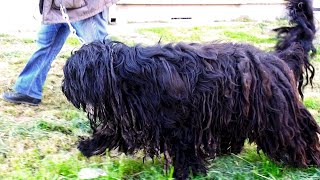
[[317, 55], [248, 38], [243, 19], [73, 41], [312, 103], [170, 34], [17, 56], [50, 126], [4, 35], [28, 40], [250, 166], [5, 39], [177, 34]]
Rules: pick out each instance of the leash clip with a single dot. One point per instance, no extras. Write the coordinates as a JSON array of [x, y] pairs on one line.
[[65, 16]]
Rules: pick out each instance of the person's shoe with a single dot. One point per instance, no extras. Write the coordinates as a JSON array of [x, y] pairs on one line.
[[19, 98]]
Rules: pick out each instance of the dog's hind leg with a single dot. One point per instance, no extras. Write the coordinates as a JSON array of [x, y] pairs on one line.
[[310, 134], [295, 142]]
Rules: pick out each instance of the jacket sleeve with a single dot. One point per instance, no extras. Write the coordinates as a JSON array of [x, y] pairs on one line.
[[41, 6]]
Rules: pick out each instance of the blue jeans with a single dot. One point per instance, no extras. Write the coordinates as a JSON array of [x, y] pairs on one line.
[[50, 40]]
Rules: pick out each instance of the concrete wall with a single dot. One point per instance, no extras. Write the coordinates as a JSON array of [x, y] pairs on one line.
[[201, 10], [25, 16], [19, 15], [200, 2]]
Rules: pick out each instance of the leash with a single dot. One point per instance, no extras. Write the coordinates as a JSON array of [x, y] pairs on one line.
[[73, 31]]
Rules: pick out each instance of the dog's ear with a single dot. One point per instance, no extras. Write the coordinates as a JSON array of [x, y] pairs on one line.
[[172, 83]]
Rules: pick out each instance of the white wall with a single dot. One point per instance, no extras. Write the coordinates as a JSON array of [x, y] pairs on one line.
[[206, 13], [18, 15]]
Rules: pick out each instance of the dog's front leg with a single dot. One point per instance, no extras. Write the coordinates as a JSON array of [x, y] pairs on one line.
[[186, 160]]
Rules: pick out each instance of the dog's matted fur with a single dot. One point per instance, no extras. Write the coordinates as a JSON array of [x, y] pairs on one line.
[[193, 101]]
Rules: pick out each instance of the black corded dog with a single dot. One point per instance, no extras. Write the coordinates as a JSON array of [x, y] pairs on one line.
[[193, 101]]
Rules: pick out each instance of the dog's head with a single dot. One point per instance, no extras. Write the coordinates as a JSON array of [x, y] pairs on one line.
[[87, 75], [100, 72]]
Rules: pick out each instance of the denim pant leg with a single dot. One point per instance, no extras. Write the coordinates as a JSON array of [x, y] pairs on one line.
[[50, 40], [93, 28]]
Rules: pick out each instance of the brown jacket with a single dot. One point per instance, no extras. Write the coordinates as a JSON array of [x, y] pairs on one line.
[[76, 9]]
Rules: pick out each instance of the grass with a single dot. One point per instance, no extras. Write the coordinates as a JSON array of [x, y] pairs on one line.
[[40, 142], [248, 38]]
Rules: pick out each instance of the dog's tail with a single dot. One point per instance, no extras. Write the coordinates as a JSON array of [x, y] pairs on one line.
[[295, 43]]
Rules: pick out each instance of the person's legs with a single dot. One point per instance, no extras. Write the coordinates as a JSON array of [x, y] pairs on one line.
[[93, 28], [50, 40]]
